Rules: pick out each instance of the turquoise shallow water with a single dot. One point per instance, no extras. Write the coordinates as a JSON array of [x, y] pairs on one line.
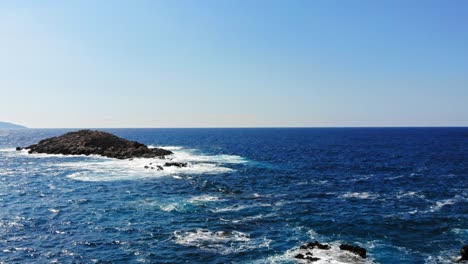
[[248, 196]]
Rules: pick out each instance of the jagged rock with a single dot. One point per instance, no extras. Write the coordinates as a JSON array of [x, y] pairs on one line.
[[159, 168], [316, 244], [464, 254], [176, 164], [307, 256], [354, 249], [19, 148], [89, 142]]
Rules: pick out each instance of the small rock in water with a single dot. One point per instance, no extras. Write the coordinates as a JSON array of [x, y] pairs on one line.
[[354, 249], [308, 257], [159, 168], [175, 164], [146, 167], [19, 148]]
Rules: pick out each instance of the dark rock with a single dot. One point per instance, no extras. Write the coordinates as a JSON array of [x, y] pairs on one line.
[[19, 148], [87, 142], [146, 167], [308, 257], [159, 168], [176, 164], [316, 244], [354, 249], [464, 254]]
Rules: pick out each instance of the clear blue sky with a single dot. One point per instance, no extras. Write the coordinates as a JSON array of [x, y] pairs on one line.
[[234, 63]]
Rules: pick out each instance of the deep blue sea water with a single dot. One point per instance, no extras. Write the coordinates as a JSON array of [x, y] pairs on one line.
[[248, 196]]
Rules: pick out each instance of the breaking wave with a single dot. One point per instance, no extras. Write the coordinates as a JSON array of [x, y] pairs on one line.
[[97, 168]]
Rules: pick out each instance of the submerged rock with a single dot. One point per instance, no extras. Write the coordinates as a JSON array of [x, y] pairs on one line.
[[89, 142], [464, 254], [354, 249]]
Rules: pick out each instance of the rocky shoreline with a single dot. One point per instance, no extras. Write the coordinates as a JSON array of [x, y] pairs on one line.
[[315, 251], [93, 142]]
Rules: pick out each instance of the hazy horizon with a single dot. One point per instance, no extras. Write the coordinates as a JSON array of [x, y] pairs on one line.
[[215, 64]]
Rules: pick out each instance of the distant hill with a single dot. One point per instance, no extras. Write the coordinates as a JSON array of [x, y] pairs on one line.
[[5, 125]]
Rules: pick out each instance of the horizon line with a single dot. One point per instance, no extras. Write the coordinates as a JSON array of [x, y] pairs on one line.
[[248, 127]]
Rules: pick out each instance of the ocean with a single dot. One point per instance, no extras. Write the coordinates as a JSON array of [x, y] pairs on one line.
[[248, 196]]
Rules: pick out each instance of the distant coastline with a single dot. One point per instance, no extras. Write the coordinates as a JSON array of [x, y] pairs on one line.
[[6, 125]]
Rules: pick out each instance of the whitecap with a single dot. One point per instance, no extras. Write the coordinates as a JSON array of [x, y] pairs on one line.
[[460, 231], [252, 218], [204, 198], [411, 194], [439, 204], [171, 207], [359, 195], [238, 207]]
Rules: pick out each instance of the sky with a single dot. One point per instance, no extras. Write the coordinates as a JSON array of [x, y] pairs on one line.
[[234, 63]]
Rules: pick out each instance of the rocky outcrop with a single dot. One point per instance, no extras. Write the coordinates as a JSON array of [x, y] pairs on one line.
[[87, 142], [354, 249], [464, 254]]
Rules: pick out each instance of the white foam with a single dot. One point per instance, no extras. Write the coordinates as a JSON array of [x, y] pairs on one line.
[[179, 205], [172, 207], [252, 218], [445, 202], [359, 195], [204, 198], [237, 207], [409, 195], [460, 231], [98, 168], [7, 149], [166, 147], [444, 257], [221, 242], [439, 204]]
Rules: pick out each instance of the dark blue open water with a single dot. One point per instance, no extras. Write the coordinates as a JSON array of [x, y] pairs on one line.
[[249, 196]]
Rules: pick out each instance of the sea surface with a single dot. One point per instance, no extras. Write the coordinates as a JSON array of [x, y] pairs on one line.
[[247, 196]]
